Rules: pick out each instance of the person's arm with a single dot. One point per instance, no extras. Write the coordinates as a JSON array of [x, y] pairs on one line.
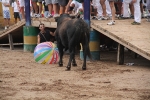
[[38, 39], [51, 33], [67, 7]]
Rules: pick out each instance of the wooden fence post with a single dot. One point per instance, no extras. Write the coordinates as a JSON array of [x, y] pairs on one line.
[[120, 55], [10, 41]]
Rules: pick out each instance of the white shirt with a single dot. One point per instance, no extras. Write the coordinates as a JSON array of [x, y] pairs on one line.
[[5, 1], [14, 5]]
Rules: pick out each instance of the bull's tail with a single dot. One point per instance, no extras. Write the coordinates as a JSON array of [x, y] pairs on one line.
[[87, 40]]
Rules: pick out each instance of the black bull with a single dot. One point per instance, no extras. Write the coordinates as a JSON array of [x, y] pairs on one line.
[[69, 34]]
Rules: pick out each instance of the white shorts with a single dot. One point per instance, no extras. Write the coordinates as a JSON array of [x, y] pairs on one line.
[[21, 3]]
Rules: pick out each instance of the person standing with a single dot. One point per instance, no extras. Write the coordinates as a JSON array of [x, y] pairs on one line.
[[15, 11], [137, 12], [6, 12], [22, 7]]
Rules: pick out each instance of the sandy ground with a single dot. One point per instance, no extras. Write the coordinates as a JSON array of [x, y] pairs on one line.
[[21, 78]]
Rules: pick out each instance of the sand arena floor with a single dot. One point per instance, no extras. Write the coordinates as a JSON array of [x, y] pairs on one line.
[[21, 78]]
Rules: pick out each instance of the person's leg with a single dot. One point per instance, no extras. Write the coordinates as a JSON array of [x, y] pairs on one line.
[[137, 12], [102, 2], [22, 5], [113, 10], [62, 4], [125, 7], [35, 7], [50, 8], [108, 9], [15, 20], [142, 9], [131, 10], [40, 7], [5, 23], [22, 12], [99, 10], [62, 9], [55, 8]]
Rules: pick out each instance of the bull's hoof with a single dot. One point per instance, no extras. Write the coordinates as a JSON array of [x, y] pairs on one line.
[[68, 69], [60, 65], [74, 64], [83, 68]]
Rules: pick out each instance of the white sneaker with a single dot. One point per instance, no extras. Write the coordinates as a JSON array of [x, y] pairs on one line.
[[50, 15], [37, 15], [103, 18], [111, 23], [56, 15]]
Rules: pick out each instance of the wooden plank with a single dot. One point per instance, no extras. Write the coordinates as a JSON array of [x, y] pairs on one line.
[[10, 41], [12, 28], [120, 54], [46, 23], [13, 44]]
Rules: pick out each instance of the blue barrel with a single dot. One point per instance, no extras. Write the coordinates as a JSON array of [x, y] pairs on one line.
[[94, 46]]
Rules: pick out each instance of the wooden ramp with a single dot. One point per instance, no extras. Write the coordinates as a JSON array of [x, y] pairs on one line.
[[13, 30], [134, 37]]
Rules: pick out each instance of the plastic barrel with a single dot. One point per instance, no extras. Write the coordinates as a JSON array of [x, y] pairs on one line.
[[30, 37], [94, 46]]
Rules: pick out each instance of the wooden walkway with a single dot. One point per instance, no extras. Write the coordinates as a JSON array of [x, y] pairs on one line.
[[134, 37]]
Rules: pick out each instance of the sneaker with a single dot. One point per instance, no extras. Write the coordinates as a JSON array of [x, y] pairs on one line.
[[121, 17], [148, 18], [135, 23], [50, 15], [94, 17], [56, 15], [38, 15], [111, 23], [103, 18], [132, 16], [35, 15]]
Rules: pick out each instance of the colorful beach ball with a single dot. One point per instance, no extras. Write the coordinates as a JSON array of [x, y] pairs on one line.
[[46, 53]]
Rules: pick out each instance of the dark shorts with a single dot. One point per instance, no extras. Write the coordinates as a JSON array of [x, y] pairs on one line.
[[37, 0], [16, 15], [111, 0], [81, 1], [63, 2]]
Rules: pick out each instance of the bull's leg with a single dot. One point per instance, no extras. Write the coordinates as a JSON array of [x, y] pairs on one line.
[[72, 53], [60, 48], [84, 55], [73, 60]]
